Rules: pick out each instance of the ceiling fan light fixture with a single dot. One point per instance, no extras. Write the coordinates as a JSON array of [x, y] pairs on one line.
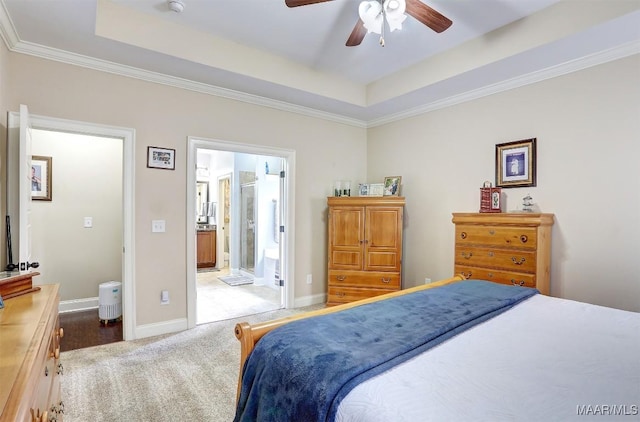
[[176, 5], [394, 11], [373, 14]]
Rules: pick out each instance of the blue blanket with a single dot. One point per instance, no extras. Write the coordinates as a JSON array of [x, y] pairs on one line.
[[302, 370]]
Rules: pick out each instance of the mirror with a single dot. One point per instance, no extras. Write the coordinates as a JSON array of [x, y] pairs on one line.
[[202, 197]]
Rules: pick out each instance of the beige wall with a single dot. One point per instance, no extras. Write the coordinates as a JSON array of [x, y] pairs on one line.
[[86, 182], [587, 126], [587, 129], [164, 116]]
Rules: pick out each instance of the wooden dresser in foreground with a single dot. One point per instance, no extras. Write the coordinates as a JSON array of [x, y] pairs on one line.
[[507, 248], [30, 365], [365, 247]]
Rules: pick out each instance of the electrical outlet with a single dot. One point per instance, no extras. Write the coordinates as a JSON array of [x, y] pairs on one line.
[[427, 280], [164, 297], [88, 222], [309, 279]]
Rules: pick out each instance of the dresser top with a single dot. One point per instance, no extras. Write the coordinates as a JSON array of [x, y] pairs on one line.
[[504, 218]]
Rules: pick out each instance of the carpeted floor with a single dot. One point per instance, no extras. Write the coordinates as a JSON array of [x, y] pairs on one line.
[[190, 376]]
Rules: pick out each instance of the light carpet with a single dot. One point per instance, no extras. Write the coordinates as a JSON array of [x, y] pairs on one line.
[[191, 375]]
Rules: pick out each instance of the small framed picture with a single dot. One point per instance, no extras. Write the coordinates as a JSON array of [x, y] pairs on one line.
[[41, 178], [516, 164], [161, 158], [363, 189], [392, 185], [376, 189]]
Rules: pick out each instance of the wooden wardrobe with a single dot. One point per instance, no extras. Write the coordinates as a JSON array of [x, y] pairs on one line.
[[364, 247]]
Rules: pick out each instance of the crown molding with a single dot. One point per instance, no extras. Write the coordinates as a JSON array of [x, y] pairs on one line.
[[14, 44], [575, 65]]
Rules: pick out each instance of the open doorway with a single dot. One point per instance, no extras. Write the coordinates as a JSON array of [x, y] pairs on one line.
[[247, 187], [66, 144]]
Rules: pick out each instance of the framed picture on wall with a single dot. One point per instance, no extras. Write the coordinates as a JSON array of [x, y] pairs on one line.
[[41, 178], [516, 164], [161, 158]]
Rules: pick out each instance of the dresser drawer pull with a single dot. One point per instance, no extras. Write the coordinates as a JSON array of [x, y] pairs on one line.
[[492, 232], [341, 277], [467, 275], [463, 235], [515, 260], [466, 255], [490, 253], [515, 283], [524, 238], [490, 275], [340, 294], [386, 280]]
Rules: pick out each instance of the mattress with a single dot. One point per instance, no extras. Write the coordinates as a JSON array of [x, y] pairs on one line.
[[545, 359]]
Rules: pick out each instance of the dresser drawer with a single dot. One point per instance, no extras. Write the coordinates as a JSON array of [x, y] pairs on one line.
[[349, 294], [500, 236], [512, 260], [373, 279], [502, 277]]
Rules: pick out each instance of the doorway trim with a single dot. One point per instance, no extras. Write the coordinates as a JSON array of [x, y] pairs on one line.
[[128, 161], [195, 143]]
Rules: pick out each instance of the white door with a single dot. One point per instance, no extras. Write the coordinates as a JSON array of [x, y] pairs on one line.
[[25, 177], [19, 194]]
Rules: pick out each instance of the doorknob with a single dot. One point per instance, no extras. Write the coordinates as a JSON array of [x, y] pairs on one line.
[[26, 265]]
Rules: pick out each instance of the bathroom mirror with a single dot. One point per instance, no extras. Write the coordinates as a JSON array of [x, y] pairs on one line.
[[202, 197]]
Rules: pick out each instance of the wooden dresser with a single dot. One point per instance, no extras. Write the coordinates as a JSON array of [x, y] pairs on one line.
[[507, 248], [30, 365], [364, 247]]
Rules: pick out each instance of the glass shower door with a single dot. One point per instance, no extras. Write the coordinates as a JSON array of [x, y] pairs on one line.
[[247, 227]]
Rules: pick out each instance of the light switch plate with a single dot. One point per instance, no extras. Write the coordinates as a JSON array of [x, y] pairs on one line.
[[88, 222], [157, 226]]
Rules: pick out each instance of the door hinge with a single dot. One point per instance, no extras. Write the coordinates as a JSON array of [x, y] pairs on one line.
[[281, 229], [281, 282], [282, 174]]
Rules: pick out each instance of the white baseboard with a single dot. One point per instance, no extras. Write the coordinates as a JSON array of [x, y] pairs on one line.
[[159, 328], [78, 305], [310, 300]]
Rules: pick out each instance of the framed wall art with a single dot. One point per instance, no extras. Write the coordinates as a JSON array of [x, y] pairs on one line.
[[516, 164], [161, 158], [41, 178]]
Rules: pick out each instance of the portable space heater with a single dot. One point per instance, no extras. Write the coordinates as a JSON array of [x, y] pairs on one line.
[[110, 301]]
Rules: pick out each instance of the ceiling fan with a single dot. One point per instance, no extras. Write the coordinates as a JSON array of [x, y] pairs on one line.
[[375, 12]]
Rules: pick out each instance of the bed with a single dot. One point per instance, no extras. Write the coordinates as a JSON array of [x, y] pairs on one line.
[[506, 353]]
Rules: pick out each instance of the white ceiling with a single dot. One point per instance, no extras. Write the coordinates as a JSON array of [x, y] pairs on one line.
[[295, 58]]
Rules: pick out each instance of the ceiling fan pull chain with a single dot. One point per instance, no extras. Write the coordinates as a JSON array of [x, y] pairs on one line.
[[384, 18]]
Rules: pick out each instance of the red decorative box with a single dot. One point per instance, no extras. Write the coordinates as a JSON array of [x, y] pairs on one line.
[[490, 199]]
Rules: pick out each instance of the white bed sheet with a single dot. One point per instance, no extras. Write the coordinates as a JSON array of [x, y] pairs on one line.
[[544, 360]]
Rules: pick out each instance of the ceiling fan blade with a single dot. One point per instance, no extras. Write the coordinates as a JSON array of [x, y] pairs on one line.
[[427, 15], [296, 3], [357, 35]]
